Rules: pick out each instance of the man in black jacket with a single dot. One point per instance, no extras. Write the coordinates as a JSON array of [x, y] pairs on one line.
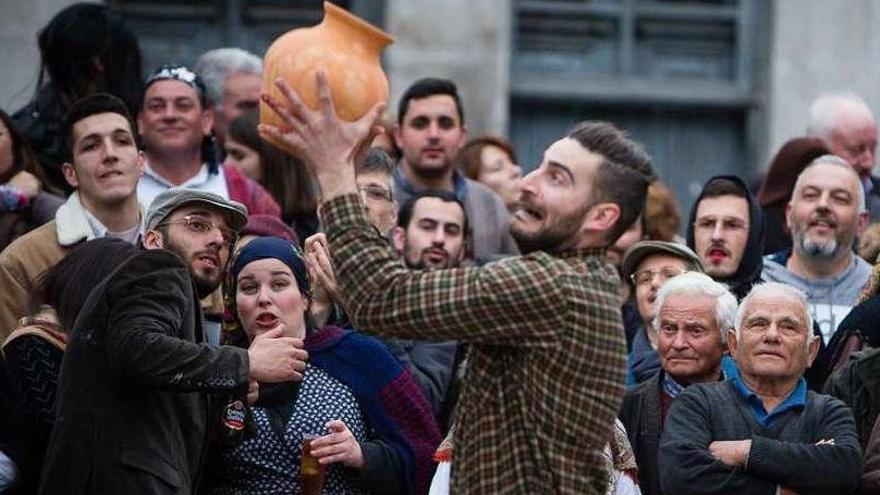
[[139, 387]]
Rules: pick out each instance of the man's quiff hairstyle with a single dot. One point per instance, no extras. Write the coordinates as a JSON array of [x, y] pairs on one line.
[[623, 176]]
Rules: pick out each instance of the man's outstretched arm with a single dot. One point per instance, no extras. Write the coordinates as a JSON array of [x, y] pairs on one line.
[[379, 293]]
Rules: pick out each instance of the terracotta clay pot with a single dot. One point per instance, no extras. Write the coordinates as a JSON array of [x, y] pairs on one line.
[[347, 47]]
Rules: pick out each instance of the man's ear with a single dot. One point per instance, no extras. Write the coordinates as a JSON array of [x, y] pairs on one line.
[[465, 251], [69, 174], [398, 238], [464, 136], [602, 217], [140, 123], [207, 121], [396, 135], [731, 343], [812, 347], [863, 221], [153, 240], [142, 163], [393, 212], [788, 220]]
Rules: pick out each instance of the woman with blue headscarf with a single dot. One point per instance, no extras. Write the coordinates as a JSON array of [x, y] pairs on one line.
[[375, 430]]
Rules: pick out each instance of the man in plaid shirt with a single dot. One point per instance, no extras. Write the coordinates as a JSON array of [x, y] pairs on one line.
[[545, 377]]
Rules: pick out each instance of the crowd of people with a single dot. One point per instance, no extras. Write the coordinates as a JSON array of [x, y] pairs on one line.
[[185, 308]]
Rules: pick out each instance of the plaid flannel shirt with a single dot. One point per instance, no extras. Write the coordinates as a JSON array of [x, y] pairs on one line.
[[546, 371]]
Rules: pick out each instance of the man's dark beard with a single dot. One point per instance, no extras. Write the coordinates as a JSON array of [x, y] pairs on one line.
[[204, 287], [553, 238]]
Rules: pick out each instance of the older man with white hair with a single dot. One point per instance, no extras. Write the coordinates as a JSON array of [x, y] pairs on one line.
[[846, 125], [761, 431], [233, 80], [825, 215], [693, 315]]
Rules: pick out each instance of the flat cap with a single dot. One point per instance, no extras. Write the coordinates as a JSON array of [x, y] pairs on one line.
[[635, 254], [175, 197]]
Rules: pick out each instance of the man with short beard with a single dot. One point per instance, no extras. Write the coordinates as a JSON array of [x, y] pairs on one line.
[[432, 231], [545, 367], [139, 392], [825, 215]]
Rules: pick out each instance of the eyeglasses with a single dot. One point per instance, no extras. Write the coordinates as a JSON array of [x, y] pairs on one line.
[[375, 193], [645, 277], [199, 225]]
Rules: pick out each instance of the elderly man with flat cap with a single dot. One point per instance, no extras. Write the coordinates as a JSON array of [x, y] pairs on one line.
[[139, 387], [646, 266]]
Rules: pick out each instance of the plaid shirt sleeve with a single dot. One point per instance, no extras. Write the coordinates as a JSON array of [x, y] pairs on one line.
[[481, 305]]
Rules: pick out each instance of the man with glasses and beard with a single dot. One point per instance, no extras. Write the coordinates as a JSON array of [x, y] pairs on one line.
[[825, 215], [139, 393]]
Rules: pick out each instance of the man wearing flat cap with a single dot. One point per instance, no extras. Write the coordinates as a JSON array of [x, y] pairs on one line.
[[646, 266], [140, 389]]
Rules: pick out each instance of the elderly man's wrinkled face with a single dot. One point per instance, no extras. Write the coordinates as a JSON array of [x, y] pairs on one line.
[[689, 341], [774, 343], [855, 140]]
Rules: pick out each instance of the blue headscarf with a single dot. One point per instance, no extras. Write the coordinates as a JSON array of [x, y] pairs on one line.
[[275, 248]]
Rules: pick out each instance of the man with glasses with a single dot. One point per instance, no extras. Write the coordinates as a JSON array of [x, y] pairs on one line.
[[141, 391], [646, 266], [726, 230], [374, 181], [104, 165]]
